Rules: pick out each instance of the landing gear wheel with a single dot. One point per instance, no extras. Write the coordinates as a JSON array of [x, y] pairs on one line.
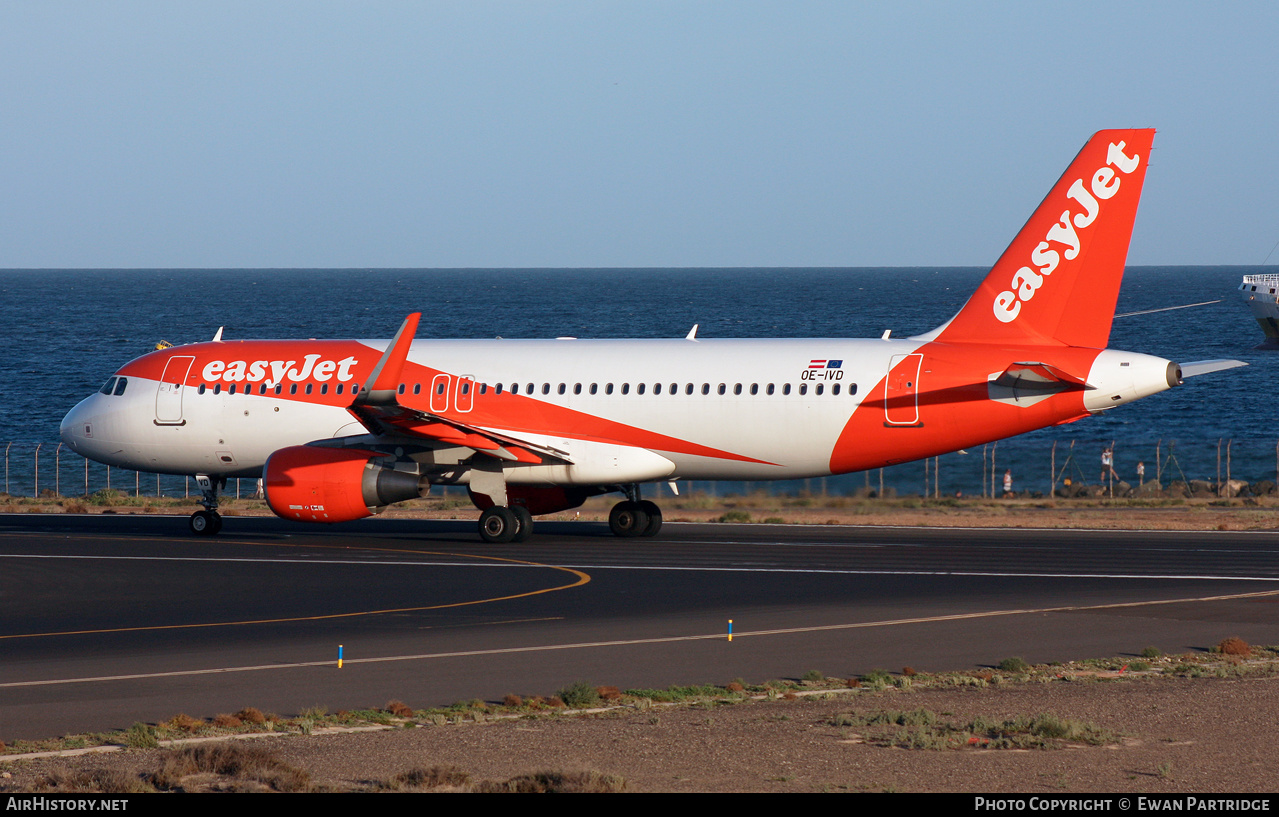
[[628, 519], [498, 524], [525, 521], [654, 517], [205, 523]]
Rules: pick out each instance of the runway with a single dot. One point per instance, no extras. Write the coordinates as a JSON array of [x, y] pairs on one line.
[[109, 620]]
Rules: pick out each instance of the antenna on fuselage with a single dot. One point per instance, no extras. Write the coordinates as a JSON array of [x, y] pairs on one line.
[[217, 336], [692, 333]]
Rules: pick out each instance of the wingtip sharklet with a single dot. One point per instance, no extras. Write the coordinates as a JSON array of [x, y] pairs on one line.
[[385, 376]]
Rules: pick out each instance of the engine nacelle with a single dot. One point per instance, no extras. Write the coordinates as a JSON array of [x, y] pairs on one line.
[[539, 499], [332, 484]]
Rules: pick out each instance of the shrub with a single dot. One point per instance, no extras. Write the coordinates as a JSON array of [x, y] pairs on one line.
[[141, 736], [1014, 665], [1234, 646], [579, 695]]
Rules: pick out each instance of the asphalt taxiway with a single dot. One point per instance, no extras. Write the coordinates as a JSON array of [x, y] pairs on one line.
[[109, 620]]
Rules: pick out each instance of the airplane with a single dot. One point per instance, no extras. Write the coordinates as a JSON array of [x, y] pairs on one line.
[[340, 429]]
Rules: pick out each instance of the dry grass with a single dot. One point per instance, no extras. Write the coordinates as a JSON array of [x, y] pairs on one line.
[[233, 765]]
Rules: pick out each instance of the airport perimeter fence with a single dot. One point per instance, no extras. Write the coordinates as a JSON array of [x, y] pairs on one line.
[[1034, 468]]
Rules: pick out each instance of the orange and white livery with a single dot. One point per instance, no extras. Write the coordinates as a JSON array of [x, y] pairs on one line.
[[340, 429]]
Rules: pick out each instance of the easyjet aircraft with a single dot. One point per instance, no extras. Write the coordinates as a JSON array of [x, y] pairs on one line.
[[340, 429]]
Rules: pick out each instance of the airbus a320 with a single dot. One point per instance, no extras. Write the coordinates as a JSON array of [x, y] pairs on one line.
[[340, 429]]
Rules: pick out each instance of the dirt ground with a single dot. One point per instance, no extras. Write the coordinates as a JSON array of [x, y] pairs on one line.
[[1158, 735]]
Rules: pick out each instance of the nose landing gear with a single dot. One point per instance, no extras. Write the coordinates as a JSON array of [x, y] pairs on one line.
[[207, 522]]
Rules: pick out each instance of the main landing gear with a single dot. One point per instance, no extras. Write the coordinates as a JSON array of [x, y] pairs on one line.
[[499, 524], [208, 521], [629, 518], [635, 518]]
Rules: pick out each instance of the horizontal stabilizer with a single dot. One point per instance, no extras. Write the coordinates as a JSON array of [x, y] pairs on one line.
[[1199, 367], [1030, 375]]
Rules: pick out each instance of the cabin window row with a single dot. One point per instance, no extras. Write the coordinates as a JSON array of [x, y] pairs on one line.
[[546, 388], [309, 388], [643, 388]]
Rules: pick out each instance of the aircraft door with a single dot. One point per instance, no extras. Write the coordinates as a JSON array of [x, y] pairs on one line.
[[901, 390], [168, 395], [440, 393], [465, 400]]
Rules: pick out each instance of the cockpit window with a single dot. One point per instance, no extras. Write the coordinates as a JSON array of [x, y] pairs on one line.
[[108, 386], [119, 386]]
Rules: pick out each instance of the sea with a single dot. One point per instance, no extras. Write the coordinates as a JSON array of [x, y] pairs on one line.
[[64, 332]]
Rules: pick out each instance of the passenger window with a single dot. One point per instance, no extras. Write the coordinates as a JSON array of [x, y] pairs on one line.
[[594, 388], [819, 388], [608, 388], [308, 388], [293, 389], [417, 388], [626, 388], [706, 388], [200, 390], [785, 388], [852, 388], [688, 389], [231, 390], [217, 388], [400, 390], [560, 390], [754, 388], [803, 388], [577, 388], [722, 388], [324, 388], [737, 388], [834, 389], [546, 388], [639, 389], [770, 388]]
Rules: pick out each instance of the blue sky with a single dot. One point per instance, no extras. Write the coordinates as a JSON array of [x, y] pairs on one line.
[[617, 134]]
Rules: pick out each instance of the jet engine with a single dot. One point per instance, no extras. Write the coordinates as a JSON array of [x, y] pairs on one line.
[[332, 484]]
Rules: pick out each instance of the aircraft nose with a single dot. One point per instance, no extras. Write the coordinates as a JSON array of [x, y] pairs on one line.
[[77, 426]]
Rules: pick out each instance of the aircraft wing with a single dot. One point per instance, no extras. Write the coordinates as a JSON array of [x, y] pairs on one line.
[[378, 410]]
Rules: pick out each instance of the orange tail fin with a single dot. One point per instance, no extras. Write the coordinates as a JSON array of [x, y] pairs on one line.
[[1058, 281]]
